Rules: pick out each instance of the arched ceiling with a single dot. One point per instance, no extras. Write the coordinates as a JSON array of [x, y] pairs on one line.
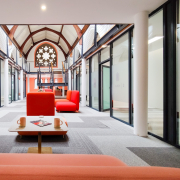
[[27, 36]]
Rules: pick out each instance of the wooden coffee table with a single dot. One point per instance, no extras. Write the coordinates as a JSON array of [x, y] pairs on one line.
[[30, 127]]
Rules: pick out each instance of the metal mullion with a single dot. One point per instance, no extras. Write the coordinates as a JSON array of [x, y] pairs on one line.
[[111, 58], [165, 90], [0, 82], [99, 82], [90, 93], [130, 78]]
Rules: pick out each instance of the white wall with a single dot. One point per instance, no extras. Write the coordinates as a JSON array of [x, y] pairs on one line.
[[30, 59]]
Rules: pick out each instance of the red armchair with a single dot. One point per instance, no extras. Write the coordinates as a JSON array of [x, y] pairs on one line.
[[70, 105]]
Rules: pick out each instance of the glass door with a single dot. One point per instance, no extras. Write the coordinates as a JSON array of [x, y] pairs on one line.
[[106, 87]]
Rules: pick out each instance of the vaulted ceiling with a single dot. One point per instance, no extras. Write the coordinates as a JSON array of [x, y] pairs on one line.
[[27, 36]]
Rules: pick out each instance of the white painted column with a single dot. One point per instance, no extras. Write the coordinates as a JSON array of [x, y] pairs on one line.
[[63, 91], [28, 83], [69, 82], [141, 74], [6, 83], [83, 86], [21, 84]]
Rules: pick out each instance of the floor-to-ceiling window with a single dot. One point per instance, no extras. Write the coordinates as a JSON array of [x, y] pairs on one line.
[[16, 85], [120, 87], [13, 84], [87, 82], [9, 82], [155, 74], [2, 82], [94, 82], [74, 83]]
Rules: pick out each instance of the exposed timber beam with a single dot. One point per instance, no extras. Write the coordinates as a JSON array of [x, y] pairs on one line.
[[61, 33], [30, 33], [46, 29]]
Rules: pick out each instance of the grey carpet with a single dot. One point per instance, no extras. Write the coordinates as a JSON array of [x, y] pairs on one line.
[[11, 115], [158, 156]]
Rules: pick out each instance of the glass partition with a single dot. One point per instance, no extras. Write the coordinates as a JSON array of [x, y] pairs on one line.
[[74, 83], [87, 82], [105, 53], [120, 83], [2, 82], [155, 74], [16, 85], [94, 82], [9, 82]]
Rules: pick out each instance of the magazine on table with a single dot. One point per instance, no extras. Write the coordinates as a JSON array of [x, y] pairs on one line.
[[41, 123]]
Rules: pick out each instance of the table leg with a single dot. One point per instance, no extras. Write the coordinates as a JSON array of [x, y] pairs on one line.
[[39, 142]]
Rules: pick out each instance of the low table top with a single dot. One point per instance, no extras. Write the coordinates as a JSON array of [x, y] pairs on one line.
[[32, 127]]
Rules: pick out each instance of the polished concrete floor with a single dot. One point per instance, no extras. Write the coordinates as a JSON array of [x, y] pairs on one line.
[[90, 132]]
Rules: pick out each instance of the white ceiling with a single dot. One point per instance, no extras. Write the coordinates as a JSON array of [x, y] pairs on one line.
[[73, 11]]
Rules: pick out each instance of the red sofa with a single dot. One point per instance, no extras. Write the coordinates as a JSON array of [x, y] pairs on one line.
[[77, 167], [40, 103], [69, 104]]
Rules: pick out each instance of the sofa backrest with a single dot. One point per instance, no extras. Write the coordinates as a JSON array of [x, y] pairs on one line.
[[75, 98], [68, 97], [13, 172], [48, 90], [40, 104]]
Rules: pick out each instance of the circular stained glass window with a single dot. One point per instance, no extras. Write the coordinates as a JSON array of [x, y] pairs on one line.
[[45, 55]]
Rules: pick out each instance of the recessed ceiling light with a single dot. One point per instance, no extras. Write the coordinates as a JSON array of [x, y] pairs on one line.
[[43, 7]]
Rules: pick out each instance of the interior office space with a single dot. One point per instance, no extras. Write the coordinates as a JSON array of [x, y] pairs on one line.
[[125, 67]]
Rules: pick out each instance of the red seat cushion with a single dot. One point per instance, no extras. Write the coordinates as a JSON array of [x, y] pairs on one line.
[[75, 98], [65, 106], [60, 100]]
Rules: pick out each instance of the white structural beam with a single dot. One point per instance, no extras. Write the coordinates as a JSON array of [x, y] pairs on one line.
[[141, 74], [6, 83], [21, 84], [28, 83], [83, 86]]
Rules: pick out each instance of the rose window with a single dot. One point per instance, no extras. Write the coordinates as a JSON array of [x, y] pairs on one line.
[[45, 55]]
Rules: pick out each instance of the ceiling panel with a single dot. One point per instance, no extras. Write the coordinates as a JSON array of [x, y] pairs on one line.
[[52, 36], [39, 36], [9, 26], [63, 45], [36, 27], [55, 27], [21, 33], [81, 26], [69, 33], [27, 46]]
